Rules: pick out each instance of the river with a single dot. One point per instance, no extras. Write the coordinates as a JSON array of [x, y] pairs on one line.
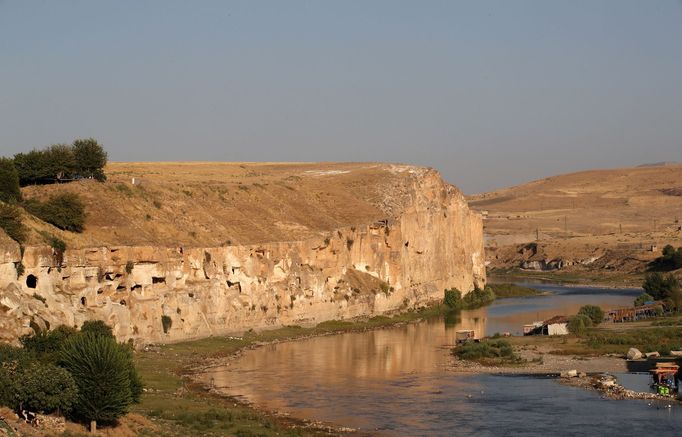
[[392, 381]]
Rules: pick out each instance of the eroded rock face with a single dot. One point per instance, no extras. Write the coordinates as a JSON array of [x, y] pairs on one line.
[[402, 262]]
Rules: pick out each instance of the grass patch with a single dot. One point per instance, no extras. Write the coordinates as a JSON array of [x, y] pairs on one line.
[[488, 352], [654, 339], [512, 290], [601, 277]]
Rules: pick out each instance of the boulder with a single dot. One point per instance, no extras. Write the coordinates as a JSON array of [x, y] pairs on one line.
[[634, 354], [676, 353], [652, 354], [569, 373]]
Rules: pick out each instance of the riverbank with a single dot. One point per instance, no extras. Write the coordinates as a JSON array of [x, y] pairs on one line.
[[180, 405], [599, 278]]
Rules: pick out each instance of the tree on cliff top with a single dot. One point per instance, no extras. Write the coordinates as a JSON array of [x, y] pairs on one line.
[[9, 181], [85, 158], [90, 158]]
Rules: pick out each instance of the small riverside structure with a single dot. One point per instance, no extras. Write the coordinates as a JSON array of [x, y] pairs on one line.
[[557, 325], [649, 309]]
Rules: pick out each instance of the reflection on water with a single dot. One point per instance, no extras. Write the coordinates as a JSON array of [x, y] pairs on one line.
[[392, 380]]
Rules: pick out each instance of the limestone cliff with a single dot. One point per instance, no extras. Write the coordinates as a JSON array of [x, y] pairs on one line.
[[427, 240]]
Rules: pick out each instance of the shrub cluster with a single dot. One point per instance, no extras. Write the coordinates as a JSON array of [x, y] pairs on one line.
[[65, 211], [497, 350], [592, 312], [578, 324], [9, 181], [643, 298], [671, 259], [84, 374], [474, 299], [85, 158], [661, 287], [10, 222]]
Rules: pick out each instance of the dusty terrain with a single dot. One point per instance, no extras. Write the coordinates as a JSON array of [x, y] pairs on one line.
[[600, 219], [217, 204]]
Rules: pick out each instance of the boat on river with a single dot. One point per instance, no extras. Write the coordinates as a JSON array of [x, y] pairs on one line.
[[665, 378]]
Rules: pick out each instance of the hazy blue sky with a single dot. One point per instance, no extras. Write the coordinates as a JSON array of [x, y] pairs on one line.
[[491, 93]]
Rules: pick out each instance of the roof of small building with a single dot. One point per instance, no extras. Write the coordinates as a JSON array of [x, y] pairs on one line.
[[555, 320]]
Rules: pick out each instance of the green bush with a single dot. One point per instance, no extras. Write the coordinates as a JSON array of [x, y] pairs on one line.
[[10, 222], [593, 312], [643, 298], [65, 211], [477, 298], [671, 259], [661, 287], [45, 345], [166, 322], [44, 388], [577, 325], [97, 327], [9, 181], [102, 371], [453, 298], [485, 350], [472, 300]]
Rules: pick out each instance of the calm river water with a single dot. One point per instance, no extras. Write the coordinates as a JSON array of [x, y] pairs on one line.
[[391, 381]]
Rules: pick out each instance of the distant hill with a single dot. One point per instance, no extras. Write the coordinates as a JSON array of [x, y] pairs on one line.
[[593, 202], [659, 164]]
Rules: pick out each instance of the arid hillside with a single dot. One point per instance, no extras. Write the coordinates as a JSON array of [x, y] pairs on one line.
[[605, 218], [217, 204]]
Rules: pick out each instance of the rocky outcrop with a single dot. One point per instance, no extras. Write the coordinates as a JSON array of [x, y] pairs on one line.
[[164, 294]]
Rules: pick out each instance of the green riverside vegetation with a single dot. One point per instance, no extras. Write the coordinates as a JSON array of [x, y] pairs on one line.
[[474, 299], [504, 290], [488, 352], [85, 375]]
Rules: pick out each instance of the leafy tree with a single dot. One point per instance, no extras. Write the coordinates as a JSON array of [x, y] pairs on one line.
[[659, 286], [102, 371], [31, 167], [59, 161], [9, 181], [43, 387], [65, 211], [90, 158], [643, 298], [593, 312], [10, 222]]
